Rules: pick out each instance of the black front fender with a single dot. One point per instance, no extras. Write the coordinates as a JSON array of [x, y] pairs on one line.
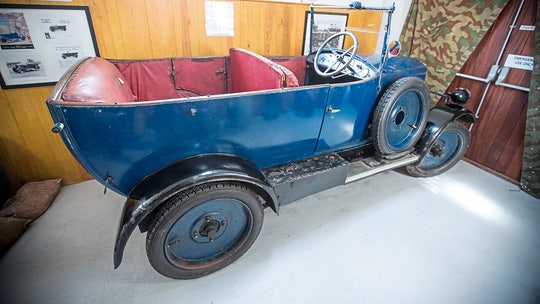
[[163, 184], [438, 118], [443, 114]]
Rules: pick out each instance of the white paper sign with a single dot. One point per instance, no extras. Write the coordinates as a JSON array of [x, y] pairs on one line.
[[519, 62], [527, 28], [219, 18]]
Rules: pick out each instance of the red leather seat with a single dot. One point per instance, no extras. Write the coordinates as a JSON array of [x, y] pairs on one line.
[[251, 72], [97, 80]]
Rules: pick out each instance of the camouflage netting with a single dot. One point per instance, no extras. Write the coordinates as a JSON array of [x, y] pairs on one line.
[[531, 154], [444, 33]]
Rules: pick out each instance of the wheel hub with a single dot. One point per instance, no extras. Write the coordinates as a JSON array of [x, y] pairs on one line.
[[208, 228], [400, 117], [437, 150]]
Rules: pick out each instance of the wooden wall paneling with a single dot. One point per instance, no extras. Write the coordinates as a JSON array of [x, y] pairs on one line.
[[296, 30], [186, 26], [11, 141], [22, 156], [202, 44], [252, 18], [278, 31], [33, 152], [162, 36], [273, 18], [180, 30], [134, 29], [243, 40], [107, 24]]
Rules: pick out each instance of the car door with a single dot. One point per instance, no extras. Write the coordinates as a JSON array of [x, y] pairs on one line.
[[347, 117]]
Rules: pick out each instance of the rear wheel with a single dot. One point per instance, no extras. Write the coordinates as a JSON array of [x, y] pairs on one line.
[[444, 153], [204, 229], [400, 117]]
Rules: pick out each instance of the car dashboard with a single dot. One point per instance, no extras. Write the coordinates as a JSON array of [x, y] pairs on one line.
[[359, 68]]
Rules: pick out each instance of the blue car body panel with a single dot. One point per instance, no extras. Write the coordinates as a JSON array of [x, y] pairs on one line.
[[347, 127], [128, 142], [121, 144]]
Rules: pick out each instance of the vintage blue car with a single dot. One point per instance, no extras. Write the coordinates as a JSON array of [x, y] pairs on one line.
[[200, 146], [11, 38]]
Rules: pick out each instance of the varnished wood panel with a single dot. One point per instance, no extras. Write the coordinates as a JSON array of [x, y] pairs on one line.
[[130, 29]]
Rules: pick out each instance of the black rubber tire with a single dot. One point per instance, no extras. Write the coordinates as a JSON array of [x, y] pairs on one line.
[[420, 168], [386, 112], [187, 201]]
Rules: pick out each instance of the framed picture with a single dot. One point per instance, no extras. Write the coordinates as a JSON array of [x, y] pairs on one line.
[[38, 43], [324, 26]]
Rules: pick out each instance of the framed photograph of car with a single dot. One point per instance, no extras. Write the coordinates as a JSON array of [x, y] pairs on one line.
[[324, 26], [39, 43]]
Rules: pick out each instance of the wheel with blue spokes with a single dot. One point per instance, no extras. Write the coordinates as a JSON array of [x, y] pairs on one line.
[[400, 117], [204, 229], [447, 149]]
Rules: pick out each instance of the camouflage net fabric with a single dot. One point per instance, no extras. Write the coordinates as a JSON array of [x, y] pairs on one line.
[[531, 154], [444, 33]]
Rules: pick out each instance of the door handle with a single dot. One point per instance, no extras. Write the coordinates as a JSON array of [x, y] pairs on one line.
[[332, 111]]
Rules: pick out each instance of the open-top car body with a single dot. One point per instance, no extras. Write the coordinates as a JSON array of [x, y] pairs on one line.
[[200, 146]]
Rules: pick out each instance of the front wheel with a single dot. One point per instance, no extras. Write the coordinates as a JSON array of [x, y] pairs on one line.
[[204, 229], [443, 153]]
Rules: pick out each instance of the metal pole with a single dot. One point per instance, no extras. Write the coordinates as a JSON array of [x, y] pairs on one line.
[[480, 104]]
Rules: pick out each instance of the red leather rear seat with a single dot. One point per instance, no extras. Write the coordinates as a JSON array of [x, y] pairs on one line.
[[251, 72], [97, 80]]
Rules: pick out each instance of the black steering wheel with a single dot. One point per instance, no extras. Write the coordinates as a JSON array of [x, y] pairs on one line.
[[338, 62]]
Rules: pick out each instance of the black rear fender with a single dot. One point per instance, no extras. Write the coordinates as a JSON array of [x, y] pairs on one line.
[[150, 193]]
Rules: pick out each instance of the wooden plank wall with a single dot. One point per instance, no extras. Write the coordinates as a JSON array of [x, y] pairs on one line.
[[132, 29]]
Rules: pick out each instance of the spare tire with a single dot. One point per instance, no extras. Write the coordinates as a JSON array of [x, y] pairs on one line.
[[400, 117]]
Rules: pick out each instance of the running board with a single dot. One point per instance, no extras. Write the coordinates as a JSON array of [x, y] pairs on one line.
[[295, 180], [370, 166]]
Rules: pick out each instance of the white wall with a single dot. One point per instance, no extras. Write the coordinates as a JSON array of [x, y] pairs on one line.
[[398, 18]]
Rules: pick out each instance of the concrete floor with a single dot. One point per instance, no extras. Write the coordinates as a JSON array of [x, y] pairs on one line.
[[463, 237]]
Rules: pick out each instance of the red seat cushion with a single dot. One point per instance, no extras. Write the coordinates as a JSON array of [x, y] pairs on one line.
[[295, 64], [251, 72], [97, 80]]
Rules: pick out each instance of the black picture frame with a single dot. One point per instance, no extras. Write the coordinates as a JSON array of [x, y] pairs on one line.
[[325, 25], [38, 43]]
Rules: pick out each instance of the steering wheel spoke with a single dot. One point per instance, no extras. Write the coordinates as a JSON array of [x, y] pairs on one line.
[[331, 67], [350, 49], [342, 58]]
